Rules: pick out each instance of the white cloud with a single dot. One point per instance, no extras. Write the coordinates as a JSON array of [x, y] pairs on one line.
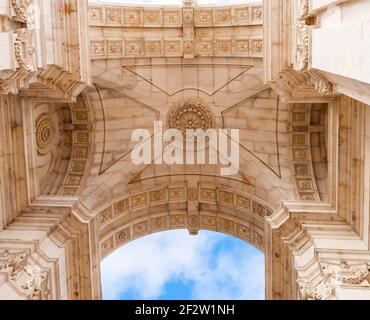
[[147, 264]]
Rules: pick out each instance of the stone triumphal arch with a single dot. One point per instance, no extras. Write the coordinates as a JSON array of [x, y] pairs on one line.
[[76, 78]]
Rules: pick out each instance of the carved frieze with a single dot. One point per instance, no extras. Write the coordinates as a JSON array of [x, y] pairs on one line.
[[113, 16], [81, 139], [24, 49], [223, 16], [176, 47], [171, 17], [223, 47], [300, 143], [123, 236], [114, 47], [152, 17], [344, 273], [96, 15], [132, 16]]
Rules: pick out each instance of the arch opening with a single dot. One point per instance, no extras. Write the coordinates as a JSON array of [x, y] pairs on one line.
[[173, 265]]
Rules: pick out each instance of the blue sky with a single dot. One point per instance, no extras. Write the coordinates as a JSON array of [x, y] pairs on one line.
[[175, 265]]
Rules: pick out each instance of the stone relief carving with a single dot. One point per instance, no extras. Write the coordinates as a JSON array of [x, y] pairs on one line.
[[24, 49], [23, 32], [303, 37], [343, 273], [191, 114], [171, 17], [309, 291], [34, 284], [26, 278], [20, 9], [189, 3], [193, 196], [176, 47], [12, 263], [44, 132], [21, 38]]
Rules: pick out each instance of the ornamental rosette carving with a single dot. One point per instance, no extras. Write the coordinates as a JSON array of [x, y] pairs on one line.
[[44, 131], [190, 114]]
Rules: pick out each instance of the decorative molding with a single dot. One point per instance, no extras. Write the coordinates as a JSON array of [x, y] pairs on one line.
[[81, 148], [196, 39], [245, 222], [321, 83], [300, 137], [188, 30], [174, 17], [176, 47], [347, 274]]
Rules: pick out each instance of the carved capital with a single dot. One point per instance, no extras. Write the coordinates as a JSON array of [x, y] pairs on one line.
[[344, 273], [12, 262], [26, 278], [310, 291]]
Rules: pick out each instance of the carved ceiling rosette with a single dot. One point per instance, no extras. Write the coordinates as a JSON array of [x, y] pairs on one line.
[[191, 114], [44, 133]]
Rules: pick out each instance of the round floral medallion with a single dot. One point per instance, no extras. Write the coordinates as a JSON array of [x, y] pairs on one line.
[[44, 128], [191, 114]]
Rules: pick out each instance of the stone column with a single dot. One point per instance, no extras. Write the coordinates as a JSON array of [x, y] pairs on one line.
[[56, 258]]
